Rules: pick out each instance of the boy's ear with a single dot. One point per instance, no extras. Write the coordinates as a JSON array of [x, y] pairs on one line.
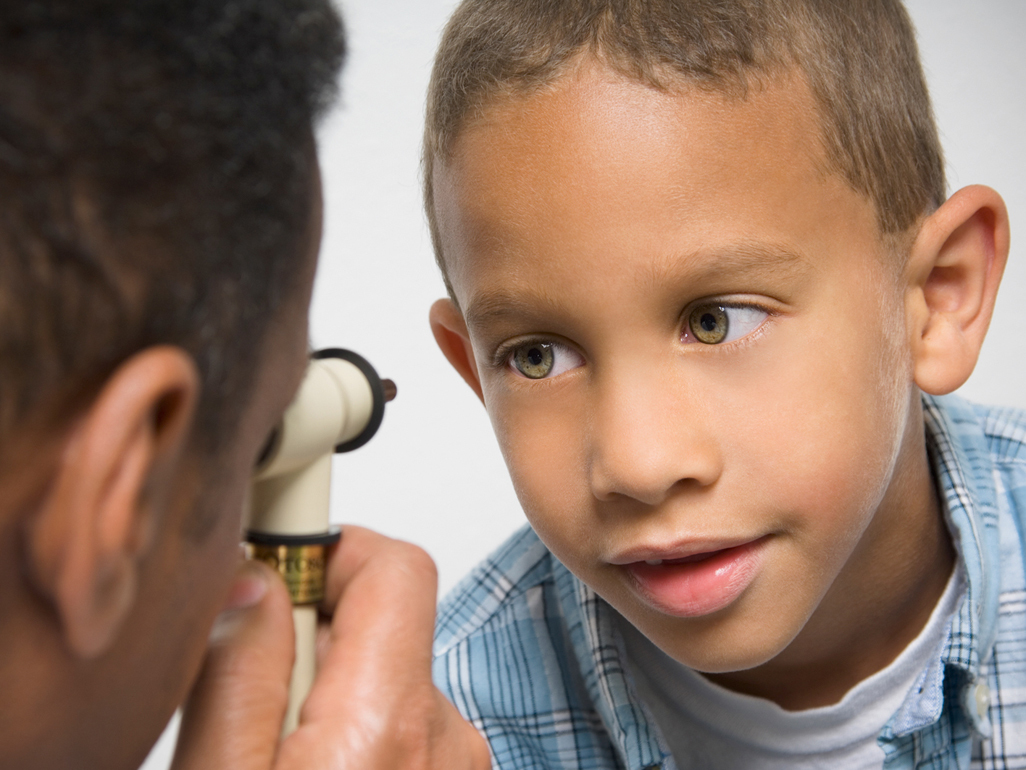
[[97, 521], [451, 334], [954, 270]]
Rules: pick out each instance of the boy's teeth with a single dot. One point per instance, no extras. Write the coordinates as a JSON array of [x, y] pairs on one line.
[[654, 562]]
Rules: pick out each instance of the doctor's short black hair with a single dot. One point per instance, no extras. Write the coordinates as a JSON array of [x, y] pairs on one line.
[[157, 178]]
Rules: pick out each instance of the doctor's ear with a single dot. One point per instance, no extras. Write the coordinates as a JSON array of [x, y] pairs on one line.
[[954, 271], [451, 334], [98, 519]]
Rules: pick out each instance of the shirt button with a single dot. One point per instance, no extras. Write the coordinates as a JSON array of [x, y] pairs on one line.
[[981, 694]]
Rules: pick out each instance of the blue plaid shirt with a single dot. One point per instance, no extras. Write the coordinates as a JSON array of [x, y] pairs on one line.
[[532, 657]]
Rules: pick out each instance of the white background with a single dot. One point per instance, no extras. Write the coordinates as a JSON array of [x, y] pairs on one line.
[[433, 474]]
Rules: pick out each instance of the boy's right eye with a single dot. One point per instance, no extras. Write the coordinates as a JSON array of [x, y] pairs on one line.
[[539, 360]]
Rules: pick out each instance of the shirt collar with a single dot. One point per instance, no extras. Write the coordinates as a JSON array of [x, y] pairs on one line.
[[964, 474], [598, 647]]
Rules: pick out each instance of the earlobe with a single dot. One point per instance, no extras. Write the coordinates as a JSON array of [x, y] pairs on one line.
[[451, 334], [954, 271], [88, 537]]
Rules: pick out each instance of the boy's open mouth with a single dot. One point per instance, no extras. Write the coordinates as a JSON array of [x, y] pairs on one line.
[[697, 584], [684, 559]]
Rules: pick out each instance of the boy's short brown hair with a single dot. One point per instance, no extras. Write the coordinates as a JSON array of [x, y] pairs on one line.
[[859, 58]]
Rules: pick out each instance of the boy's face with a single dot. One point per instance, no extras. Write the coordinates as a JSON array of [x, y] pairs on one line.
[[692, 348]]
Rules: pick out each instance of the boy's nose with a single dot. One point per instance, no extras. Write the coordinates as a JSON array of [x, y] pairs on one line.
[[648, 438]]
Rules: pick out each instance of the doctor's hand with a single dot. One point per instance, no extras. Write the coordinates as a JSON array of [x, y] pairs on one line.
[[372, 706]]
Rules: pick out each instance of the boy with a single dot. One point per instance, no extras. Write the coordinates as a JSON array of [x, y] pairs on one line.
[[704, 276], [158, 241]]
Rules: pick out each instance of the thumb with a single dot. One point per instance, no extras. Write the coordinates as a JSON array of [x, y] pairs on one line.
[[234, 713]]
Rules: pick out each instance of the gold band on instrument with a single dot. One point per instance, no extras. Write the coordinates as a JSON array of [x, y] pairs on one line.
[[302, 566]]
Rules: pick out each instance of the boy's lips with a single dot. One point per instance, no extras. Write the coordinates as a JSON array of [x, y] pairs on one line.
[[697, 583]]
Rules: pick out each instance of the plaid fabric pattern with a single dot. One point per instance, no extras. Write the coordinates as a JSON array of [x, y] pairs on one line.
[[531, 656]]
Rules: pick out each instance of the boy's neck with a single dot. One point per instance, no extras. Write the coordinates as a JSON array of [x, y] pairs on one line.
[[879, 603]]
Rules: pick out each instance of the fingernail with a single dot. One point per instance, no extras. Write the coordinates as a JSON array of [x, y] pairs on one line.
[[249, 588]]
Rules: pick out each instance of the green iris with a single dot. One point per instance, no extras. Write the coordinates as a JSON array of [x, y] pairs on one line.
[[534, 360], [709, 323]]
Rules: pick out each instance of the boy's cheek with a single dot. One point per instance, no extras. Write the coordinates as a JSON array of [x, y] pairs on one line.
[[542, 444], [541, 451]]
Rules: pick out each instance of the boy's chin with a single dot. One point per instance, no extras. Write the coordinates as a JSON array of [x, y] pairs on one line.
[[720, 643], [723, 657]]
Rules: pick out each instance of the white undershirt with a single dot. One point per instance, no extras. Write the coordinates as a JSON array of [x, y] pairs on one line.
[[709, 727]]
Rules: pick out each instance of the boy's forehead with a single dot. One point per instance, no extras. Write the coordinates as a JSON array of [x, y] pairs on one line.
[[597, 150], [589, 116]]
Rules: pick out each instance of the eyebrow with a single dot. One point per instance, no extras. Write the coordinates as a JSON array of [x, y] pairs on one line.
[[746, 259], [493, 306], [749, 260]]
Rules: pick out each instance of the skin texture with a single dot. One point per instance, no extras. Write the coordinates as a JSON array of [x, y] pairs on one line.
[[597, 216], [120, 550]]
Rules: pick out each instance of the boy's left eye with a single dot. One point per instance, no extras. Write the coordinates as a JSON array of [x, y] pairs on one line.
[[713, 323], [539, 360]]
